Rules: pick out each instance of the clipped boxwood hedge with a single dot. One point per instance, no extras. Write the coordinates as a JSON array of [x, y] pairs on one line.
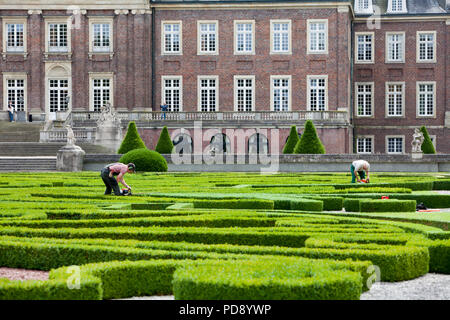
[[234, 204], [307, 205], [388, 205], [330, 203], [269, 281], [145, 160]]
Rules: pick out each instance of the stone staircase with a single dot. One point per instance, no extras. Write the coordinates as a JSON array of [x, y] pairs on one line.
[[20, 149], [24, 164]]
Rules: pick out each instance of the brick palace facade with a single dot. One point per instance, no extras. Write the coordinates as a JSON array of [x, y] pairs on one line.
[[367, 72]]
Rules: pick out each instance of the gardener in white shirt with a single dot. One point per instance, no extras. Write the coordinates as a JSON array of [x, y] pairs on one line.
[[361, 168]]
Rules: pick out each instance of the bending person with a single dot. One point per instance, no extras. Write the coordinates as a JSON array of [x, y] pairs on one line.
[[361, 168], [109, 172]]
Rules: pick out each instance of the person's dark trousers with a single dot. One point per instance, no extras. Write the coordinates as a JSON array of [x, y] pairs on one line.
[[362, 174], [110, 183], [11, 116]]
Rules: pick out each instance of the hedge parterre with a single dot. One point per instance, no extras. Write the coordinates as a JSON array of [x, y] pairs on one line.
[[210, 236]]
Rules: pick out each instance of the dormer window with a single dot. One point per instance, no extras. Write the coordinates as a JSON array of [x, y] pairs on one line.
[[363, 6], [397, 6]]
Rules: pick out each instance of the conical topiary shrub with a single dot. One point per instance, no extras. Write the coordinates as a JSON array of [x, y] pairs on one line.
[[309, 143], [165, 144], [427, 145], [291, 141], [132, 140]]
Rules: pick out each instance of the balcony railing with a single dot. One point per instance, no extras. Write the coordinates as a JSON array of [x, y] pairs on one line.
[[331, 116], [60, 135]]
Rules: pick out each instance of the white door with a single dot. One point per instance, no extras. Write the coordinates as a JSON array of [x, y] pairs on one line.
[[58, 98]]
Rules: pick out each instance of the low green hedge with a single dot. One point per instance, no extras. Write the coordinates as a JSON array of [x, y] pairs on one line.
[[150, 206], [234, 204], [306, 205], [90, 288], [439, 254], [330, 203], [250, 280], [441, 185], [429, 200], [390, 205]]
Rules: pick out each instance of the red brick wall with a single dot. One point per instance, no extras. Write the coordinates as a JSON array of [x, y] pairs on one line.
[[409, 72], [299, 64]]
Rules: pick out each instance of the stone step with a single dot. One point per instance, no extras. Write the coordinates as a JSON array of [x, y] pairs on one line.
[[24, 164]]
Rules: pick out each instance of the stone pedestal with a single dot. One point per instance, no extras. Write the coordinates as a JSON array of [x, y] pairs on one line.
[[109, 137], [416, 155], [70, 158]]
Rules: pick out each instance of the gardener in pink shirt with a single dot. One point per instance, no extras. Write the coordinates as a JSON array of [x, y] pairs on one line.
[[116, 169]]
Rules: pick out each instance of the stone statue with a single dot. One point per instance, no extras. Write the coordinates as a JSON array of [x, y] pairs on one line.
[[109, 129], [70, 136], [417, 140], [107, 116]]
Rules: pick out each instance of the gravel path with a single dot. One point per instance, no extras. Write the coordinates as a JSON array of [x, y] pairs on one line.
[[23, 274], [428, 287]]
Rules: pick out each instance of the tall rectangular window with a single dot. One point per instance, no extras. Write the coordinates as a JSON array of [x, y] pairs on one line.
[[102, 92], [15, 37], [317, 93], [57, 37], [364, 145], [426, 46], [208, 94], [58, 92], [102, 35], [244, 93], [395, 99], [280, 93], [171, 37], [364, 47], [244, 37], [16, 93], [394, 145], [280, 36], [364, 99], [425, 99], [208, 37], [395, 47], [317, 36], [172, 93]]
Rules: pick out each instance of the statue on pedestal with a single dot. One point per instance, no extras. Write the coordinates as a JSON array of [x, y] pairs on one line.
[[70, 136], [417, 141]]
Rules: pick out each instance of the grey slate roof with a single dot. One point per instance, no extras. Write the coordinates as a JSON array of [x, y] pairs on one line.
[[417, 7]]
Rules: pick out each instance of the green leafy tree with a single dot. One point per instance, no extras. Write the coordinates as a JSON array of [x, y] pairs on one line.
[[291, 141], [309, 143], [132, 140], [427, 145], [164, 145]]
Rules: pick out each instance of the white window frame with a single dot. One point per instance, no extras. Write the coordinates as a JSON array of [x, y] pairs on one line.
[[392, 9], [244, 52], [368, 10], [14, 20], [163, 91], [272, 44], [100, 75], [243, 77], [60, 20], [199, 88], [163, 38], [199, 42], [395, 136], [69, 90], [387, 99], [372, 138], [372, 60], [272, 89], [418, 60], [308, 80], [101, 20], [309, 22], [372, 84], [418, 83], [14, 76], [402, 52]]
